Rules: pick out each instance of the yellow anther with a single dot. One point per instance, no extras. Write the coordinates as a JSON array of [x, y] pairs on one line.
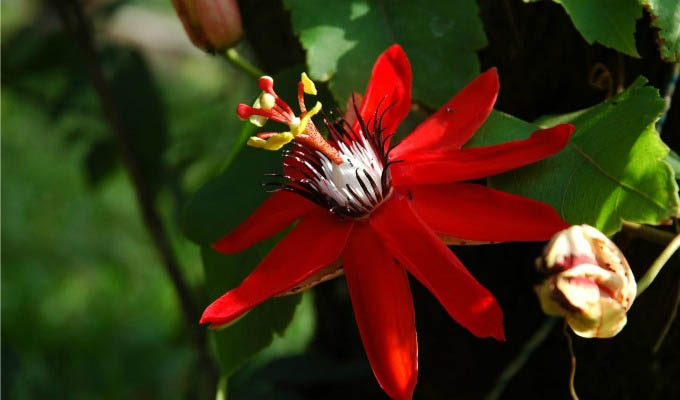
[[272, 143], [308, 85], [300, 128]]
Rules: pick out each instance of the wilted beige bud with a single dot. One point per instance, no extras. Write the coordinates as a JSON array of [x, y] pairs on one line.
[[212, 25], [589, 282]]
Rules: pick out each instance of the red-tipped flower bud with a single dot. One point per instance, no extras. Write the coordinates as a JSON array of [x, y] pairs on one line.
[[589, 282], [212, 25]]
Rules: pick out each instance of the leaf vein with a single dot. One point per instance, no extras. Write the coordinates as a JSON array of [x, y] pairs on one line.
[[615, 179]]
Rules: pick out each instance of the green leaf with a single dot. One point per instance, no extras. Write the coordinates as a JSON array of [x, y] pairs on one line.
[[222, 203], [608, 22], [674, 160], [611, 170], [242, 340], [343, 39], [296, 337], [666, 17]]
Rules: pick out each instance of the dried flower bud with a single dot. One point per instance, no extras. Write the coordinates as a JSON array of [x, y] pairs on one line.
[[212, 25], [589, 282]]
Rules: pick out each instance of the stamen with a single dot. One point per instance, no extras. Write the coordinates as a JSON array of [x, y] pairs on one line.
[[307, 84], [270, 106], [294, 125], [302, 123], [273, 142]]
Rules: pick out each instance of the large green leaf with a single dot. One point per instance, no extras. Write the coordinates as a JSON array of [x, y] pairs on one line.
[[666, 17], [613, 168], [343, 39], [608, 22], [242, 340]]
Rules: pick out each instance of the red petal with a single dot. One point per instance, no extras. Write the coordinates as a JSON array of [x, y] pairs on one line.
[[455, 123], [383, 308], [312, 245], [390, 86], [477, 213], [478, 162], [273, 216], [426, 257]]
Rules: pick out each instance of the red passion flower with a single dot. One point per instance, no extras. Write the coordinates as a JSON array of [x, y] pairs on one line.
[[375, 212]]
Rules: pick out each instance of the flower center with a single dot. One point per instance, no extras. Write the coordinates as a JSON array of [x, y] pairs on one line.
[[353, 188], [357, 185], [347, 173]]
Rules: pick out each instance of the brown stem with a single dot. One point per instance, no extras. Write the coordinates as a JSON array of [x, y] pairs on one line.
[[77, 25]]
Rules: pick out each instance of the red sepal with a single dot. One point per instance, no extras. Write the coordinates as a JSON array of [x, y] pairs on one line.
[[455, 123], [273, 216], [479, 162], [477, 213], [390, 86], [426, 257], [383, 308], [313, 244]]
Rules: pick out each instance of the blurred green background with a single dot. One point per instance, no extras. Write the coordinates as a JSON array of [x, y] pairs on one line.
[[88, 310]]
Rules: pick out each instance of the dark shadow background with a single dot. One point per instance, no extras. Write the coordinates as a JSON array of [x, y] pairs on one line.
[[88, 310]]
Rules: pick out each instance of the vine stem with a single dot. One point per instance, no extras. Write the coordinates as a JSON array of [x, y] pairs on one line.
[[222, 388], [78, 26], [648, 233], [670, 88], [518, 362], [660, 261], [572, 356], [671, 319], [235, 59]]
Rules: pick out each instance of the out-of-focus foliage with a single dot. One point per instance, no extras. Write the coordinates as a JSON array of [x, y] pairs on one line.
[[612, 23], [67, 330], [343, 39], [666, 17], [613, 168], [608, 22], [88, 310]]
